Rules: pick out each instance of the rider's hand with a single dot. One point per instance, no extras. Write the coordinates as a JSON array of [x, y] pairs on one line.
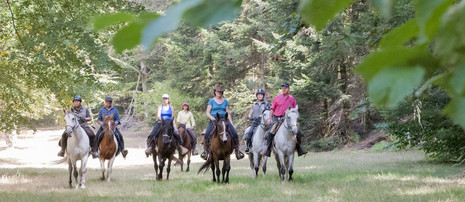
[[268, 122], [250, 118], [213, 118], [261, 115]]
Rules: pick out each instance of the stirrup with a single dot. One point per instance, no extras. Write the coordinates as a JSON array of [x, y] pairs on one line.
[[61, 153], [148, 151], [239, 155], [203, 155]]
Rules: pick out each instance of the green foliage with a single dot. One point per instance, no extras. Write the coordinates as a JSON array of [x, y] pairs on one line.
[[212, 12], [325, 144], [319, 12]]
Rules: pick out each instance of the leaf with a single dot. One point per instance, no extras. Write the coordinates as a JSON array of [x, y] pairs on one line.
[[211, 12], [456, 110], [128, 37], [376, 61], [106, 20], [384, 7], [457, 82], [450, 39], [167, 23], [319, 12], [428, 14], [400, 35], [392, 84]]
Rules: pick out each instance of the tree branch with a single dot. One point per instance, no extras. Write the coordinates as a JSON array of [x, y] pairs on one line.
[[13, 21], [125, 64]]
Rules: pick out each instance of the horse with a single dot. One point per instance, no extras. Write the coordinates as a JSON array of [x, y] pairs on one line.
[[221, 149], [259, 145], [108, 149], [166, 146], [186, 143], [78, 149], [284, 143]]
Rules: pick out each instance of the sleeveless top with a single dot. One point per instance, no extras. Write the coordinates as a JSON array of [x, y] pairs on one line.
[[166, 114]]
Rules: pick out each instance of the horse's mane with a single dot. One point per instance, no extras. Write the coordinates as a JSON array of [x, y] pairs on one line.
[[292, 110]]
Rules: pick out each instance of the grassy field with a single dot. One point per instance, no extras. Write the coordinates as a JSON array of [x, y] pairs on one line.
[[332, 176]]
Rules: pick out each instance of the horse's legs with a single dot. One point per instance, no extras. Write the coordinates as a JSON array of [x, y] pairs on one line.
[[155, 164], [223, 171], [83, 172], [213, 171], [70, 168], [188, 160], [110, 166], [160, 167], [278, 164], [282, 172], [291, 167], [102, 166], [227, 161], [256, 160], [265, 159], [168, 169], [251, 163], [75, 174], [218, 172], [181, 158]]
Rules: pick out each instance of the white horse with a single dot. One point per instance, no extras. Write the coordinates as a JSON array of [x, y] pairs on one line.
[[78, 149], [284, 143], [259, 145]]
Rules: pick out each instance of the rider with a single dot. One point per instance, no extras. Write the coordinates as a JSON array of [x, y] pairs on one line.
[[83, 115], [255, 114], [186, 117], [108, 110], [280, 104], [165, 111], [220, 105]]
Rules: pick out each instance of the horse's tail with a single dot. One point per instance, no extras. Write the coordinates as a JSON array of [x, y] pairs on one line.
[[206, 165], [63, 160]]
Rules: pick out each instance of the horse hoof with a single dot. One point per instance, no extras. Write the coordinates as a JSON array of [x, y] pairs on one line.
[[102, 178], [83, 186]]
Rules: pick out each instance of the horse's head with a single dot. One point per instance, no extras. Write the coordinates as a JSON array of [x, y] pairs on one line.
[[109, 125], [167, 130], [222, 127], [265, 116], [292, 115], [71, 121]]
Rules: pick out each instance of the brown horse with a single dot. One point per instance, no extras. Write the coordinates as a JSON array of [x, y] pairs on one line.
[[186, 143], [108, 147], [166, 146], [221, 149]]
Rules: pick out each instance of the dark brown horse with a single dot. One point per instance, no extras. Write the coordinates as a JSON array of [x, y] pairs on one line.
[[166, 146], [108, 149], [221, 149], [186, 143]]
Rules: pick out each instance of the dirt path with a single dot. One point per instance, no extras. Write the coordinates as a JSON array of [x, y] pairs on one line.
[[39, 150]]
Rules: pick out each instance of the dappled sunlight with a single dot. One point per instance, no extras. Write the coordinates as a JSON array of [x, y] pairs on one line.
[[420, 190], [14, 179], [416, 179]]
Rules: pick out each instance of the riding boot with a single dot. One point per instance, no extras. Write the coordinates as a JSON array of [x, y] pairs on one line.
[[94, 146], [249, 145], [206, 149], [123, 150], [269, 141], [300, 149], [239, 154], [193, 143], [64, 142], [182, 150]]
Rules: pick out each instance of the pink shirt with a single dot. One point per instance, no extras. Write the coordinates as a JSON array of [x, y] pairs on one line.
[[281, 104]]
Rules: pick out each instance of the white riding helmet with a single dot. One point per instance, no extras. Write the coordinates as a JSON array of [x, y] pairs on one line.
[[165, 96]]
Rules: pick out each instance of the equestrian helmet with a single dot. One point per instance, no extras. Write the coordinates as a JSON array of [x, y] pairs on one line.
[[78, 98], [260, 91]]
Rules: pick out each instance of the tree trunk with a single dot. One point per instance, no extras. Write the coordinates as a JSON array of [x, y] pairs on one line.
[[143, 71]]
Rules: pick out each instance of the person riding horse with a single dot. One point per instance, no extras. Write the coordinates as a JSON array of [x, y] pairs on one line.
[[185, 117], [255, 115], [108, 110], [165, 112], [280, 104], [220, 105], [83, 115]]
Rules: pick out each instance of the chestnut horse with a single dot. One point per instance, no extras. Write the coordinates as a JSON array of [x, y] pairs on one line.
[[108, 147], [186, 143], [221, 149], [166, 146]]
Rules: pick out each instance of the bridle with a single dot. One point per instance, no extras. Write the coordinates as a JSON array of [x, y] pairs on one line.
[[287, 123]]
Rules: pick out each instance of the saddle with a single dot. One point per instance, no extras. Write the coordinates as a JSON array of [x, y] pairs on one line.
[[276, 126]]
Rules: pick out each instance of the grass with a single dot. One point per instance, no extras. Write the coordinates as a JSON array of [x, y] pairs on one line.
[[330, 176]]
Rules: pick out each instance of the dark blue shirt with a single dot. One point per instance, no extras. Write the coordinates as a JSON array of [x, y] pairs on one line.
[[105, 112]]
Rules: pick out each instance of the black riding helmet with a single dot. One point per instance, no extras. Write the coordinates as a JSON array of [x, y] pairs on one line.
[[78, 98]]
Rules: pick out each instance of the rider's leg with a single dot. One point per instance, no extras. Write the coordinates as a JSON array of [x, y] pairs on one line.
[[193, 141], [206, 140], [153, 135], [239, 154], [119, 136], [92, 140], [269, 139], [178, 139], [300, 149], [99, 135], [64, 142]]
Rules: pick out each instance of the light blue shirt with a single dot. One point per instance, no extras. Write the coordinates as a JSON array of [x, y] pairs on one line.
[[218, 108]]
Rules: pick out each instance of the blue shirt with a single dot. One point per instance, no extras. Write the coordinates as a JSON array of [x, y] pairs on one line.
[[218, 108], [105, 112], [166, 114]]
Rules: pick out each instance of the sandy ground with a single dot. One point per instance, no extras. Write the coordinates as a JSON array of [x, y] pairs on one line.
[[39, 150]]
